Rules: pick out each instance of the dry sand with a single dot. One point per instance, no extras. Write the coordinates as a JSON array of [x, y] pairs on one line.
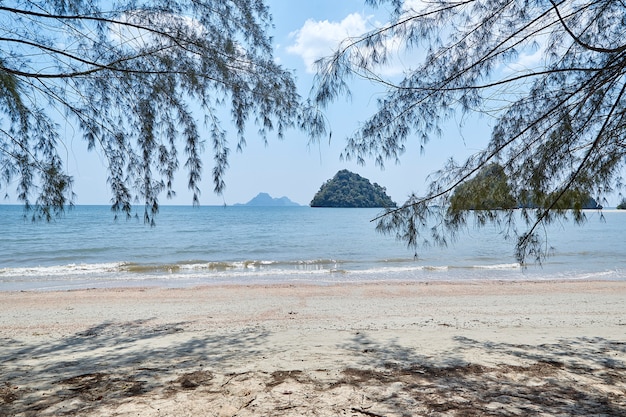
[[393, 349]]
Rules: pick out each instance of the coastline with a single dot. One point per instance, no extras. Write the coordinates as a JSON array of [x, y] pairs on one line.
[[371, 349]]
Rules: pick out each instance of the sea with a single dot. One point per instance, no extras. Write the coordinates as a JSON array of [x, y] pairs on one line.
[[191, 246]]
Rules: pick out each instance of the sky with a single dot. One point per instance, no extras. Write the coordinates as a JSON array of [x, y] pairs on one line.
[[292, 167]]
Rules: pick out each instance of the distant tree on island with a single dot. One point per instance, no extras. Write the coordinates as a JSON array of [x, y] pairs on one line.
[[622, 204], [490, 189], [573, 199], [347, 189]]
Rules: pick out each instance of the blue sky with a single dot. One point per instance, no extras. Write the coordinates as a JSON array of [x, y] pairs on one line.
[[304, 31]]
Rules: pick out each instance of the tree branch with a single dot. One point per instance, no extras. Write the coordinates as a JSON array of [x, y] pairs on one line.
[[579, 41]]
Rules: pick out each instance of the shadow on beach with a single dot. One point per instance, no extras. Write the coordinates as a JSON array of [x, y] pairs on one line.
[[139, 363], [110, 363], [574, 377]]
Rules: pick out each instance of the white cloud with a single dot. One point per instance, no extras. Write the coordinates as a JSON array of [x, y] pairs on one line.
[[317, 39], [530, 58], [414, 5]]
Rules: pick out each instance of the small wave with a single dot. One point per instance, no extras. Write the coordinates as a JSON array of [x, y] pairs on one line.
[[149, 268], [190, 267], [321, 262], [614, 274], [134, 269], [397, 260], [435, 268], [62, 270], [498, 266]]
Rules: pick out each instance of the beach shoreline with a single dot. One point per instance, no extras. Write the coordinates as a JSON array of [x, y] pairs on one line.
[[371, 349]]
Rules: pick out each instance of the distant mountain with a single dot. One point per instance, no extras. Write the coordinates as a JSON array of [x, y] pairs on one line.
[[266, 200], [347, 189]]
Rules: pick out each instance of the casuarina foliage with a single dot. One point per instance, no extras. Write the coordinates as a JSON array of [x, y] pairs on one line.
[[559, 122], [141, 81]]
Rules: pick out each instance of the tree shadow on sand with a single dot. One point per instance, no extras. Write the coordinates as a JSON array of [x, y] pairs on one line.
[[112, 362], [116, 363], [574, 377]]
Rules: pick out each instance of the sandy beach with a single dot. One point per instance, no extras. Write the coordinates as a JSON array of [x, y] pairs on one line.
[[378, 349]]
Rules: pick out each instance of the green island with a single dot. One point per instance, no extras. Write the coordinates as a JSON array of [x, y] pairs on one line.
[[347, 189], [490, 190]]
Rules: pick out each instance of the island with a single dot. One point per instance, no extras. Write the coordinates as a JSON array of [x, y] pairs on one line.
[[266, 200], [490, 190], [347, 189]]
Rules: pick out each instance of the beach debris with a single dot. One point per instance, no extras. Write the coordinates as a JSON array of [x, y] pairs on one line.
[[193, 380]]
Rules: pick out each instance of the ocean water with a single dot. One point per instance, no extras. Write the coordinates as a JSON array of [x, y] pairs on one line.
[[256, 245]]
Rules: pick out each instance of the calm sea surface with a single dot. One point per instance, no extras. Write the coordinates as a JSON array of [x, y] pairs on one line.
[[191, 246]]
